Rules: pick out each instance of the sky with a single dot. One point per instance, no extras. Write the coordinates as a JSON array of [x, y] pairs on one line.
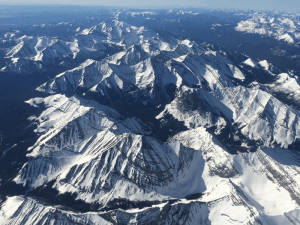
[[286, 5]]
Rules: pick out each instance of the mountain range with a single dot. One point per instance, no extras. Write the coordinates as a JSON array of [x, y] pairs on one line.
[[144, 128]]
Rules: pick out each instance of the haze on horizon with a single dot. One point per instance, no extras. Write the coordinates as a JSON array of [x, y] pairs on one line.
[[288, 5]]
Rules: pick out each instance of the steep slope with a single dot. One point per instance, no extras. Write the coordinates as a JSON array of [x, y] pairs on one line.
[[250, 114], [44, 52], [116, 153], [18, 210], [282, 84], [249, 184], [143, 69], [96, 42]]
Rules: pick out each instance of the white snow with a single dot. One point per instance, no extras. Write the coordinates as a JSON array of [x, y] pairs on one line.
[[252, 63]]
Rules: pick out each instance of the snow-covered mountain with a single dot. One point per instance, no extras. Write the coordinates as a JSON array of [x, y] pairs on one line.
[[90, 150], [152, 66], [39, 54], [284, 84], [284, 26], [163, 131]]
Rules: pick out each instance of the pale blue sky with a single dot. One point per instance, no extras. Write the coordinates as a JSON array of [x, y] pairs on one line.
[[291, 5]]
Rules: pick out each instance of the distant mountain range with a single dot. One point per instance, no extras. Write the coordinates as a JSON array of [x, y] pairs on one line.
[[284, 27]]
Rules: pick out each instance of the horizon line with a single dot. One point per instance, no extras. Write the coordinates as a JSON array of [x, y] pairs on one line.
[[154, 7]]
